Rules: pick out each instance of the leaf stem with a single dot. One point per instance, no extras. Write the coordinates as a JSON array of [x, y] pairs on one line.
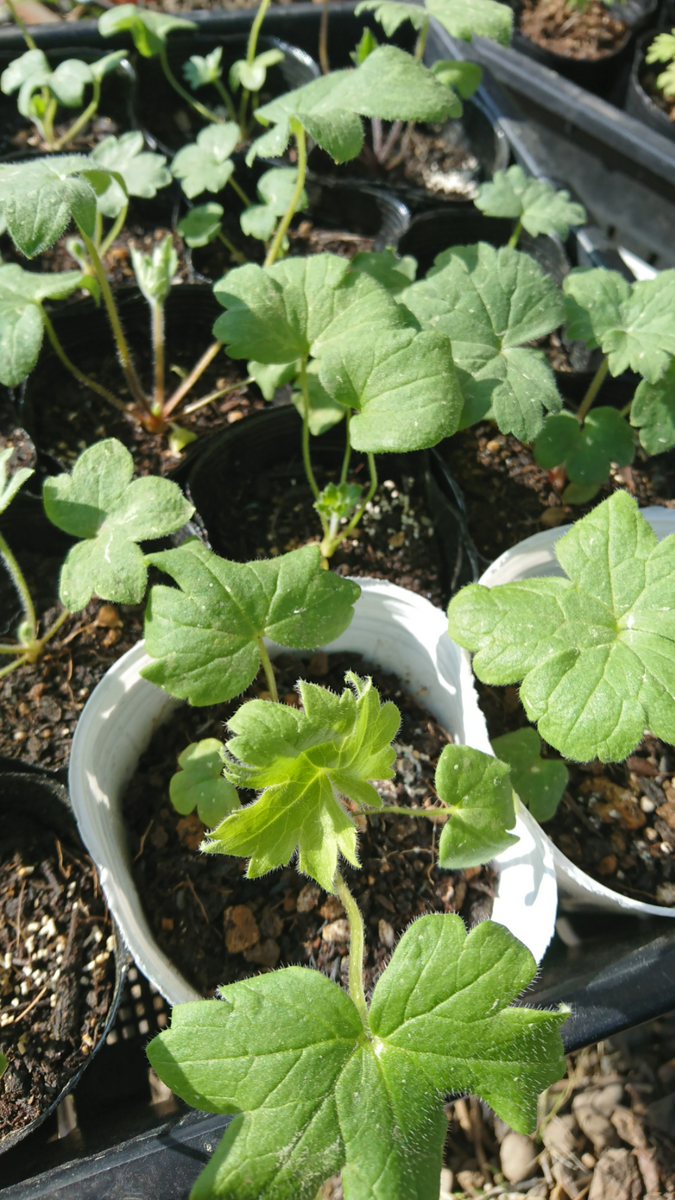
[[518, 229], [191, 379], [391, 140], [32, 45], [79, 375], [330, 545], [226, 97], [255, 30], [18, 662], [626, 409], [268, 669], [114, 230], [196, 104], [17, 577], [421, 41], [157, 311], [231, 387], [433, 814], [348, 448], [301, 142], [306, 457], [48, 118], [323, 38], [356, 948], [594, 388], [116, 325], [240, 191], [83, 118], [235, 254]]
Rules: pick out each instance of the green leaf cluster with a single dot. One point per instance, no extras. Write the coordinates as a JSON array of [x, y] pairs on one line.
[[461, 18], [144, 173], [206, 635], [21, 324], [539, 782], [587, 451], [633, 324], [149, 30], [372, 356], [31, 72], [9, 487], [662, 49], [315, 1092], [304, 760], [536, 204], [200, 71], [275, 190], [101, 503], [206, 164], [200, 784], [389, 84], [595, 651], [490, 303], [252, 75], [39, 198]]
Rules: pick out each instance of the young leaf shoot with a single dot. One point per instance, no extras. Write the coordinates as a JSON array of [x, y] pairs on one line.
[[200, 784], [534, 204]]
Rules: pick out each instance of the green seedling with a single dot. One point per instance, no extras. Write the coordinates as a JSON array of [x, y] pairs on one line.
[[110, 512], [200, 784], [38, 200], [206, 165], [533, 204], [594, 652], [632, 324], [662, 50], [42, 90], [276, 189], [203, 224]]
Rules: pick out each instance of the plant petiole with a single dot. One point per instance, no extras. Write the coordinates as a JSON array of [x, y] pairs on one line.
[[226, 98], [421, 41], [268, 669], [203, 111], [191, 379], [17, 577], [30, 42], [594, 388], [231, 387], [114, 230], [116, 325], [79, 375], [301, 142], [513, 240], [305, 438], [433, 814], [83, 118], [356, 948], [323, 38], [237, 255], [240, 191], [157, 313]]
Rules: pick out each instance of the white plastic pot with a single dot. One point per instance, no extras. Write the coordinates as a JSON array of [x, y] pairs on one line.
[[535, 558], [395, 628]]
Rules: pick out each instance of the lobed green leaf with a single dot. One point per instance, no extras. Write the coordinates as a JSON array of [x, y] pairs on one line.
[[143, 173], [201, 224], [653, 412], [477, 787], [21, 324], [539, 782], [632, 323], [587, 451], [537, 204], [200, 783], [206, 165], [149, 30]]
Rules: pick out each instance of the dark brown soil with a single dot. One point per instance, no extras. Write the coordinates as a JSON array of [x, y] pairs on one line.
[[437, 157], [28, 138], [217, 926], [509, 496], [57, 968], [590, 33]]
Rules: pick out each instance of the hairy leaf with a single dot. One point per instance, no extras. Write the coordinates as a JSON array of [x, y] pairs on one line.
[[391, 14], [489, 303], [334, 127], [39, 197], [9, 487], [144, 173], [539, 782], [596, 651], [653, 412], [632, 323], [205, 165], [538, 205], [366, 44], [477, 787], [200, 783], [21, 324], [338, 499], [32, 71], [314, 1094], [206, 636], [199, 71], [101, 503], [155, 271], [149, 30], [387, 268], [304, 760], [400, 381], [587, 452], [464, 18], [201, 224]]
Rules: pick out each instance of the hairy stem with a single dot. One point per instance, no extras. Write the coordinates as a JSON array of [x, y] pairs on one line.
[[79, 375], [243, 103], [392, 138], [356, 948], [114, 230], [203, 111], [348, 448], [330, 544], [115, 323], [236, 254], [255, 30], [226, 98], [268, 669], [157, 317], [18, 662], [85, 116], [46, 637], [513, 240], [595, 385], [30, 42], [306, 458], [191, 379], [323, 38], [434, 814], [231, 387], [376, 127], [48, 119], [17, 577], [297, 193]]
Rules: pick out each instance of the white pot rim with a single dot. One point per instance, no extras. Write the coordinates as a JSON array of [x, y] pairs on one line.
[[533, 557], [526, 895]]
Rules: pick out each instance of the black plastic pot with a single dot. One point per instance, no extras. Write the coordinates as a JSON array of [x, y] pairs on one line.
[[262, 455], [168, 121], [35, 797], [639, 102], [600, 74], [117, 95]]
